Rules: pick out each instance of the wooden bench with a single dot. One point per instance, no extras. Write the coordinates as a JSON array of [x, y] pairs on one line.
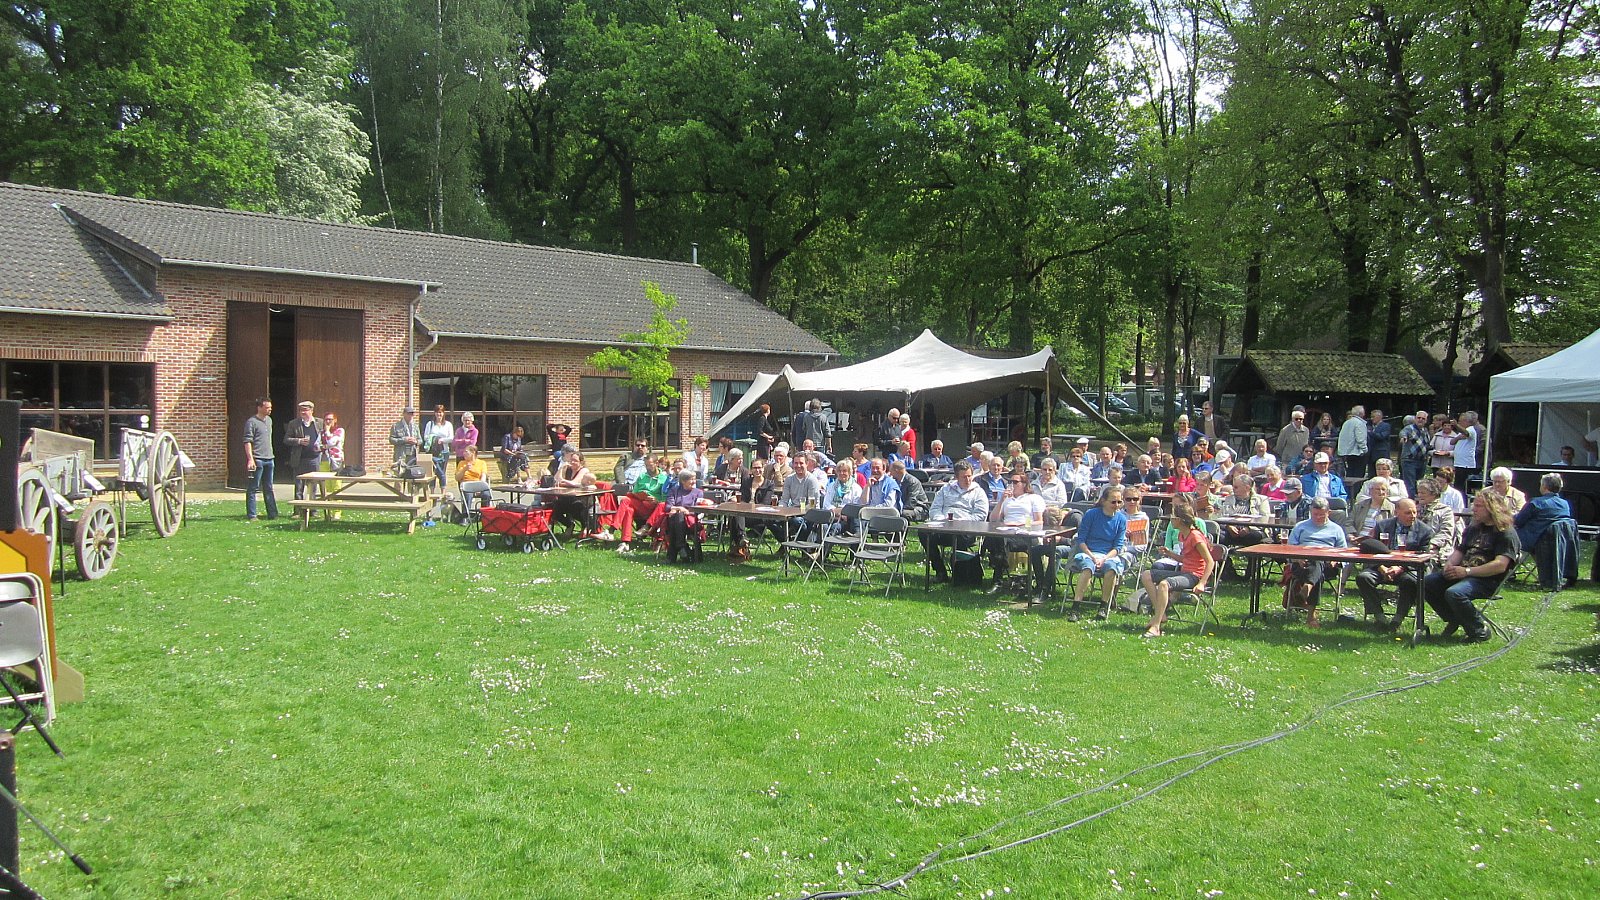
[[412, 508]]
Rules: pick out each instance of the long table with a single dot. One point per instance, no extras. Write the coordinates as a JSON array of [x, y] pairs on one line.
[[761, 512], [1287, 553], [1048, 534], [331, 492]]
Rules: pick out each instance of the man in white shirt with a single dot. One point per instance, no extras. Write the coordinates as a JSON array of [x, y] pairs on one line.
[[1466, 448], [960, 500]]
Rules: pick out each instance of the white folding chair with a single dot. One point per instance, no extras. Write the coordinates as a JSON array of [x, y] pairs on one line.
[[25, 647]]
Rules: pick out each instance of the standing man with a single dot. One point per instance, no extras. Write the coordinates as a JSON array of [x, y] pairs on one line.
[[810, 425], [258, 458], [1379, 433], [1213, 425], [887, 434], [1466, 448], [1416, 446], [405, 438], [1353, 443], [303, 435], [766, 432], [1293, 437]]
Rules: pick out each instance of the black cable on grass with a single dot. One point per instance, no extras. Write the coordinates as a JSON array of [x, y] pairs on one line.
[[1208, 757]]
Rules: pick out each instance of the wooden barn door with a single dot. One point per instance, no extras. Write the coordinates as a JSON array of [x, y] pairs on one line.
[[249, 337], [328, 369]]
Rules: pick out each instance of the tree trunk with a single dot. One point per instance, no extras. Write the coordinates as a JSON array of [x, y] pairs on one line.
[[1251, 333], [436, 208], [1359, 306], [1452, 348], [1173, 288], [628, 196], [1138, 360], [1391, 326]]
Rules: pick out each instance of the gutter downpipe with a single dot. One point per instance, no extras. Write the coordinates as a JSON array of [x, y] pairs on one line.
[[413, 354]]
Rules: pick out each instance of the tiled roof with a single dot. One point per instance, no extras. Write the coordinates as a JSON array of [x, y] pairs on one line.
[[47, 264], [487, 288], [1522, 354], [1337, 372]]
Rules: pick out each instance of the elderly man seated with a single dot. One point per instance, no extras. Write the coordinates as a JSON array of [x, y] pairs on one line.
[[1557, 557], [1305, 577], [936, 458], [1488, 548], [1046, 451], [913, 496], [1018, 508], [960, 500], [974, 458], [1049, 487], [1405, 530], [1321, 482]]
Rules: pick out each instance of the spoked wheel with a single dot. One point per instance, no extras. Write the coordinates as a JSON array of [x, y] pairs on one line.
[[165, 482], [95, 540], [38, 513]]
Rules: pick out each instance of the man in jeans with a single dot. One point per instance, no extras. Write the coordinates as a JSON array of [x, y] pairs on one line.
[[1416, 448], [258, 460]]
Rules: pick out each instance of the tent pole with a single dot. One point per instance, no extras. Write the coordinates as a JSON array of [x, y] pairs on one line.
[[1049, 409]]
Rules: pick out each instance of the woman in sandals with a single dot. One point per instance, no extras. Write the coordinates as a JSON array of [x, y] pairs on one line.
[[1194, 567]]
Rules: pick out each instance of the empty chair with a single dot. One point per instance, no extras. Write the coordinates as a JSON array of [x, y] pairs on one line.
[[883, 543], [23, 643], [808, 543]]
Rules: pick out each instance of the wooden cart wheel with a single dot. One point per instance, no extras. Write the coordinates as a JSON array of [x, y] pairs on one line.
[[164, 478], [95, 540], [38, 513]]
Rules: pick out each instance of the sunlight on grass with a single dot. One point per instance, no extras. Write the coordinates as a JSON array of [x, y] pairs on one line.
[[354, 712]]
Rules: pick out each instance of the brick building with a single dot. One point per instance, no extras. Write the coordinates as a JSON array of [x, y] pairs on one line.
[[116, 311]]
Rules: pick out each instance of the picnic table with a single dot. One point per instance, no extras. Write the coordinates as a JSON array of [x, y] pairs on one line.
[[331, 492], [1287, 553]]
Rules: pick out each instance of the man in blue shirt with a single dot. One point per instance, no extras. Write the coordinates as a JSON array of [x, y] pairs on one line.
[[1321, 482], [936, 458], [1306, 576]]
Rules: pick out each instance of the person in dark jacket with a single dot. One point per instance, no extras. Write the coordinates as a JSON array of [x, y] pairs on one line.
[[1404, 530]]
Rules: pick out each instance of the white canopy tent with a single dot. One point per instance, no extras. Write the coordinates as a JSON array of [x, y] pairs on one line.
[[1566, 386], [927, 370]]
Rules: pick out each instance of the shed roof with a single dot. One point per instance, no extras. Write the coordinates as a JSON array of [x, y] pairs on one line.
[[1334, 372], [488, 289]]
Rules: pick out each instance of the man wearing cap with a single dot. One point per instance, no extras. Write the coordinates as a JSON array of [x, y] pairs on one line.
[[1304, 577], [405, 437], [1321, 482], [1296, 505], [303, 435], [1293, 437]]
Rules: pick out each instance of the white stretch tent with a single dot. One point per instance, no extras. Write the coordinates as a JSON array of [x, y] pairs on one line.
[[925, 370], [1566, 385]]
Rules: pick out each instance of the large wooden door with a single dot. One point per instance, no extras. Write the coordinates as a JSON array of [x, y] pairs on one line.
[[249, 336], [328, 369]]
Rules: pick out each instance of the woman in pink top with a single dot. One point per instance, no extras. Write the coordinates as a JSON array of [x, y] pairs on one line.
[[466, 436], [1182, 481]]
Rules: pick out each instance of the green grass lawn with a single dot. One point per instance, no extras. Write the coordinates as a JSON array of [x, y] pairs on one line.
[[354, 712]]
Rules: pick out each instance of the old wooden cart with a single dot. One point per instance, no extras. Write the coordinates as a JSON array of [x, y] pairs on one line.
[[58, 493]]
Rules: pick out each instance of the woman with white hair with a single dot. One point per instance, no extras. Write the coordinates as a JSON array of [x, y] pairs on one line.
[[1500, 483]]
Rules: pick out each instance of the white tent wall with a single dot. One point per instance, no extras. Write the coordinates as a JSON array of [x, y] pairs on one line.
[[1565, 424], [1567, 387]]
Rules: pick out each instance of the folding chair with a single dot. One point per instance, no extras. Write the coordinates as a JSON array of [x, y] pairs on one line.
[[23, 643], [884, 543], [472, 495], [839, 540], [810, 548], [1484, 603], [1141, 561], [1203, 596]]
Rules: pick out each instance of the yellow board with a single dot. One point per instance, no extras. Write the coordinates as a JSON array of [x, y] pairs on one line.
[[24, 551]]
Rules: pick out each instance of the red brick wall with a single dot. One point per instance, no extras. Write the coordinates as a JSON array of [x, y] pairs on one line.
[[564, 364], [191, 357], [190, 353]]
